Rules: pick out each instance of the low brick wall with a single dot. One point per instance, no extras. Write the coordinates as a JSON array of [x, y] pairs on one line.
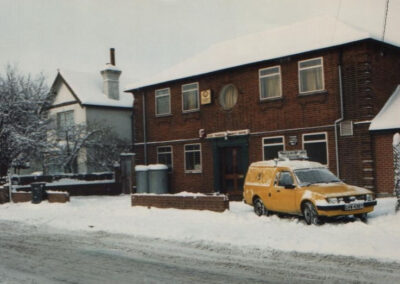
[[218, 203], [21, 197], [58, 197]]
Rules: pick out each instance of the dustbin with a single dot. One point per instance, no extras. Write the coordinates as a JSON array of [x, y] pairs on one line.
[[38, 192], [158, 178], [142, 180]]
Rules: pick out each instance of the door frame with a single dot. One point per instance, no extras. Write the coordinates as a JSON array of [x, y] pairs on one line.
[[218, 143]]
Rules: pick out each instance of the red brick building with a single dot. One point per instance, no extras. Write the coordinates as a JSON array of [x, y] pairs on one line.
[[243, 100]]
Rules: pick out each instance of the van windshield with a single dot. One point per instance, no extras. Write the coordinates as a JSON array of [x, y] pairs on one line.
[[316, 175]]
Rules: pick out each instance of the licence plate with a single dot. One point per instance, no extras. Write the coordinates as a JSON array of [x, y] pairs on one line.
[[353, 206]]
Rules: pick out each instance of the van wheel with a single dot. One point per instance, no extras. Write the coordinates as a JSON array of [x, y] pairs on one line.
[[363, 217], [259, 207], [311, 215]]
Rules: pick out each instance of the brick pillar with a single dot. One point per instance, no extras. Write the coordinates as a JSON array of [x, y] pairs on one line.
[[127, 172]]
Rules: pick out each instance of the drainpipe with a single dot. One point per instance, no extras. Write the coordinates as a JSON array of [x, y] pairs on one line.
[[144, 128], [339, 120]]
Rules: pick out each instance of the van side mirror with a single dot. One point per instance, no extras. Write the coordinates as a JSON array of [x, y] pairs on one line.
[[290, 186]]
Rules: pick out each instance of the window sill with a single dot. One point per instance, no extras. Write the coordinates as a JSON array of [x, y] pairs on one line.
[[163, 115], [193, 172], [267, 100], [190, 111], [312, 93]]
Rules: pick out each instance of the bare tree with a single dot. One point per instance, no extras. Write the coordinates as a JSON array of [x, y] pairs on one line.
[[23, 126], [96, 144]]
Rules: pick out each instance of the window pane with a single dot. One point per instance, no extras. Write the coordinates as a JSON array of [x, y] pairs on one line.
[[192, 147], [310, 63], [189, 87], [317, 152], [313, 137], [271, 152], [190, 100], [285, 178], [163, 149], [162, 92], [311, 79], [269, 71], [273, 140], [162, 105], [165, 159], [270, 86]]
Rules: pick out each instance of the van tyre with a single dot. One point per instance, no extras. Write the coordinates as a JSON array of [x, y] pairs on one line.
[[310, 214], [259, 207], [363, 217]]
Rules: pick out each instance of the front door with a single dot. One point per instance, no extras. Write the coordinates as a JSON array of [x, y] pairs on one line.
[[232, 172]]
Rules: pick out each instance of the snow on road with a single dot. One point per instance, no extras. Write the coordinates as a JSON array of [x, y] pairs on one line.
[[379, 239]]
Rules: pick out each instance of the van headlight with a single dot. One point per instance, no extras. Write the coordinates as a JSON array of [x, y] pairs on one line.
[[332, 200], [369, 197]]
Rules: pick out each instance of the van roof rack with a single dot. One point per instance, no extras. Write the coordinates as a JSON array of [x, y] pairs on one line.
[[292, 155]]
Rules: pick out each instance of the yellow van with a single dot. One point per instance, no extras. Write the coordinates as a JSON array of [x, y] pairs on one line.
[[303, 188]]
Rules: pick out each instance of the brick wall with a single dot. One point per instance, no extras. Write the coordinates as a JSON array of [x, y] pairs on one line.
[[366, 87], [383, 152], [212, 203]]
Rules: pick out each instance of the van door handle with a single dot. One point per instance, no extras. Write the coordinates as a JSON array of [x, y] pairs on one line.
[[278, 190]]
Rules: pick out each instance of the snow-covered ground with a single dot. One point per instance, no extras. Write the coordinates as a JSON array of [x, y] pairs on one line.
[[379, 239]]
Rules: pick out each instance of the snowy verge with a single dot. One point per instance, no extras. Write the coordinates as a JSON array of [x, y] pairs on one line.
[[240, 226]]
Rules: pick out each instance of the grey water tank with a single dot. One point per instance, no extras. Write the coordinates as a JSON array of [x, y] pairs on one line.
[[158, 178], [142, 179]]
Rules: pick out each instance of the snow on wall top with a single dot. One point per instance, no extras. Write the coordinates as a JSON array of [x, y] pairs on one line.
[[389, 116], [88, 87], [312, 34]]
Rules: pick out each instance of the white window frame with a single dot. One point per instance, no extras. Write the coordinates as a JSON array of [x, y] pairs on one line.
[[198, 98], [156, 96], [305, 68], [184, 158], [272, 144], [170, 152], [318, 141], [270, 75]]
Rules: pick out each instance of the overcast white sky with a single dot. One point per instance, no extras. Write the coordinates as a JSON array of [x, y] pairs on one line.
[[151, 35]]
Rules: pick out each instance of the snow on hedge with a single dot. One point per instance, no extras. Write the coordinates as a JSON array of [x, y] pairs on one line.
[[239, 226]]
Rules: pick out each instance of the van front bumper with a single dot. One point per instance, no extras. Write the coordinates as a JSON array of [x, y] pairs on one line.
[[334, 207]]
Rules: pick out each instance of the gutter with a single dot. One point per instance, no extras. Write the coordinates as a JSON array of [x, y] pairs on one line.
[[338, 121]]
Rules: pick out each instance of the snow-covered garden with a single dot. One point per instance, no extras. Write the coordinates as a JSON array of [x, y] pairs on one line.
[[379, 238]]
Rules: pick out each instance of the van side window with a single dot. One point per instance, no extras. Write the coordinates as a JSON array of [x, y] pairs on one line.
[[285, 178]]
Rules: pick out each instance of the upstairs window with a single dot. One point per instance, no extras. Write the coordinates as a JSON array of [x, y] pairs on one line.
[[270, 82], [271, 147], [190, 97], [164, 156], [316, 145], [192, 158], [163, 102], [65, 121], [311, 75]]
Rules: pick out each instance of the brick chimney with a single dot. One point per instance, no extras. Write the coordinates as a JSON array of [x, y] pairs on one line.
[[110, 76]]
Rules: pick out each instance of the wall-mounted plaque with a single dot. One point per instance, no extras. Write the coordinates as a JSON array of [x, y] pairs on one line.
[[205, 97]]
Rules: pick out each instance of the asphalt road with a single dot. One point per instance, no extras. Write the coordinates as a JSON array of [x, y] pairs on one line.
[[30, 254]]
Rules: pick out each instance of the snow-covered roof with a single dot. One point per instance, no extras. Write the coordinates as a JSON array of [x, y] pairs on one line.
[[312, 34], [88, 87], [294, 165], [389, 116]]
